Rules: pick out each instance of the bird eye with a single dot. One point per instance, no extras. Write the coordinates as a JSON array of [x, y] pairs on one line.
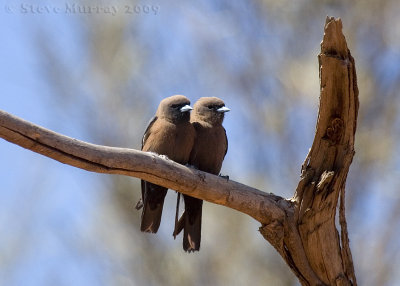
[[210, 107], [175, 105]]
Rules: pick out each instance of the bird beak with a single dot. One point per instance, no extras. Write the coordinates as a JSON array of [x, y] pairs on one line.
[[186, 108], [223, 109]]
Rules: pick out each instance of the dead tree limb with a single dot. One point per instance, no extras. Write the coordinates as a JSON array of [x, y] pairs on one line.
[[310, 225], [301, 229], [134, 163]]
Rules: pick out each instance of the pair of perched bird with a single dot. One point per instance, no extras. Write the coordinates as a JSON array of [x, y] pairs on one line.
[[197, 139]]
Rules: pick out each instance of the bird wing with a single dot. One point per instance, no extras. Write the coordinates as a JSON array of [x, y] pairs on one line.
[[226, 139], [152, 195], [147, 131], [193, 153]]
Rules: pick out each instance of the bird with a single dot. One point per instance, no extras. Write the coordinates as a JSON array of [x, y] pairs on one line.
[[208, 153], [168, 133]]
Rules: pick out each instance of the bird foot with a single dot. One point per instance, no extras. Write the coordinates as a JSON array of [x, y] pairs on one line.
[[224, 176]]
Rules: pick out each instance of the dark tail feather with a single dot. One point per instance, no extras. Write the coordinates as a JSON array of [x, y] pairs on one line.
[[153, 201], [192, 226], [178, 225]]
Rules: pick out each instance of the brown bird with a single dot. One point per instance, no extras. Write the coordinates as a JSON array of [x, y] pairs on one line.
[[169, 133], [209, 150]]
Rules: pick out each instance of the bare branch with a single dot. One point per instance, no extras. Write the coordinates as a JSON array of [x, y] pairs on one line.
[[309, 241], [150, 167], [328, 161]]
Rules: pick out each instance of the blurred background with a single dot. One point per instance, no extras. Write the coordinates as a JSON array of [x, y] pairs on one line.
[[96, 71]]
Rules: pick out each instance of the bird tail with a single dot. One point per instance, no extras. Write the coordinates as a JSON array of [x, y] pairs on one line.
[[153, 201], [178, 223], [192, 224]]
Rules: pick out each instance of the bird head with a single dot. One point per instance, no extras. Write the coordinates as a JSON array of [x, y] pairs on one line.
[[175, 108], [210, 110]]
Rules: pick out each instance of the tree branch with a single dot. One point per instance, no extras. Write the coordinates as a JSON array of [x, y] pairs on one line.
[[310, 242], [148, 166]]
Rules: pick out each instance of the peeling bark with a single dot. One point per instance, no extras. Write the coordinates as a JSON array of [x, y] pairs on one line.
[[310, 242]]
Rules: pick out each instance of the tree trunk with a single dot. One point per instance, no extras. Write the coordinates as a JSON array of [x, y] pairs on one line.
[[309, 241]]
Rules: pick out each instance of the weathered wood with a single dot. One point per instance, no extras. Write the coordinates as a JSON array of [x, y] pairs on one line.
[[148, 166], [308, 239], [329, 159]]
